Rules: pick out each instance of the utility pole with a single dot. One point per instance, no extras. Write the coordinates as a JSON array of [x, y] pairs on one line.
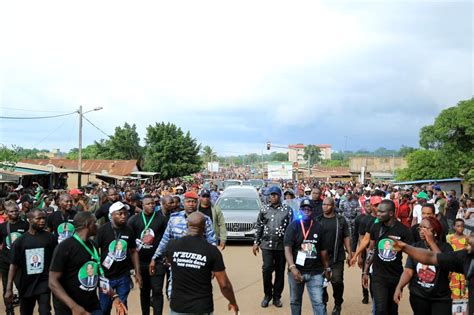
[[79, 156]]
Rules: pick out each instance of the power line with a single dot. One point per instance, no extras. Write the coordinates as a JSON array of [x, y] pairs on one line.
[[38, 117], [90, 122], [31, 110]]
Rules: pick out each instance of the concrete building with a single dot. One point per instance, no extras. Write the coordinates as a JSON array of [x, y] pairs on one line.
[[375, 168], [296, 152]]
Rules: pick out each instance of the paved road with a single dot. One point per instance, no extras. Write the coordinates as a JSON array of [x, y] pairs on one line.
[[244, 271]]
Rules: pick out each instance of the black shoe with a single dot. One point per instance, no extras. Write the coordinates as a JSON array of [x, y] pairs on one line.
[[336, 310], [277, 302], [266, 300], [365, 300]]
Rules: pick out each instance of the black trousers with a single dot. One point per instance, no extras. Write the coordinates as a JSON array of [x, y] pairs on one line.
[[421, 306], [273, 260], [27, 304], [151, 292], [337, 282], [383, 290]]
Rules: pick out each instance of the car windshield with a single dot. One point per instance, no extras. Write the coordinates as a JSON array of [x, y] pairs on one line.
[[238, 203]]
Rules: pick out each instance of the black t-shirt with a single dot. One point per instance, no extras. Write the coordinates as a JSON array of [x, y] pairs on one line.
[[103, 211], [461, 262], [329, 227], [32, 254], [429, 282], [80, 273], [148, 241], [61, 225], [207, 211], [452, 209], [193, 260], [387, 261], [9, 232], [416, 234], [312, 246], [355, 233], [118, 242], [317, 208], [367, 224]]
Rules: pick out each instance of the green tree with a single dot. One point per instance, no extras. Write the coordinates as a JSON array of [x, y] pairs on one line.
[[171, 152], [208, 154], [312, 154], [448, 146], [404, 151], [279, 157], [8, 157]]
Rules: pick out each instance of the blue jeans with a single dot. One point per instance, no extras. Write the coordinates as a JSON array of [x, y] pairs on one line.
[[314, 284], [121, 286]]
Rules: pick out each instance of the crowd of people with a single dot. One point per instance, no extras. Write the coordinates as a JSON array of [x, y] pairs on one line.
[[85, 245]]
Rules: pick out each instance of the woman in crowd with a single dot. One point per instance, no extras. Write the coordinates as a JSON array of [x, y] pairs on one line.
[[429, 285]]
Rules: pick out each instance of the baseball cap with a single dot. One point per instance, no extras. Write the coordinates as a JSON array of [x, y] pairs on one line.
[[190, 195], [179, 187], [205, 192], [422, 195], [274, 190], [117, 206], [307, 188], [75, 191], [367, 188], [20, 187], [289, 191], [306, 203], [375, 200]]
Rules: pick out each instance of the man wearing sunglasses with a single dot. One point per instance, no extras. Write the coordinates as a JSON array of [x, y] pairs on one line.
[[216, 216]]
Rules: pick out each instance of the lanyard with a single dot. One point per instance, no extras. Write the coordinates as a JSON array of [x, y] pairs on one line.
[[95, 254], [149, 222], [305, 233]]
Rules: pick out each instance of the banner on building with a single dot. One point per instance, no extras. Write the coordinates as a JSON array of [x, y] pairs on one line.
[[280, 170]]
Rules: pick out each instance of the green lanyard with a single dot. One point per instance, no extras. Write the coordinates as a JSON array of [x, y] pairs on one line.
[[95, 254], [149, 222]]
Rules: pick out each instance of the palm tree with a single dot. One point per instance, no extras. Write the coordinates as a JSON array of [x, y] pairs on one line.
[[208, 154]]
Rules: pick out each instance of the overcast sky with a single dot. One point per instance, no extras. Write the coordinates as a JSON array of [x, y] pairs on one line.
[[234, 75]]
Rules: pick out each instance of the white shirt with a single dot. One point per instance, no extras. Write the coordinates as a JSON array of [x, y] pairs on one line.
[[417, 212]]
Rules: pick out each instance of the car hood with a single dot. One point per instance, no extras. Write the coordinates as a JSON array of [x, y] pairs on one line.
[[243, 216]]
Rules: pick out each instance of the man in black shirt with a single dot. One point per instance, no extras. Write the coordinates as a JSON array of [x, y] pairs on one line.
[[215, 214], [119, 255], [31, 255], [307, 260], [336, 235], [452, 208], [60, 222], [387, 263], [9, 232], [148, 228], [71, 264], [316, 202], [461, 261], [193, 262], [103, 211]]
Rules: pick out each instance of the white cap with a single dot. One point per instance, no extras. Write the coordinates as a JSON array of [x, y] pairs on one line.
[[307, 188], [117, 206], [367, 188], [180, 187], [20, 187]]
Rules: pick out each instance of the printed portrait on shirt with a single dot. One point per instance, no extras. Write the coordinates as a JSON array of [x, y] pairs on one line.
[[426, 275], [88, 275], [386, 251], [12, 238], [65, 231], [34, 260], [147, 237], [118, 249]]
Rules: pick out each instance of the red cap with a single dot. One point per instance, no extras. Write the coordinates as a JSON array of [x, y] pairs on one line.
[[75, 191], [375, 200], [191, 195]]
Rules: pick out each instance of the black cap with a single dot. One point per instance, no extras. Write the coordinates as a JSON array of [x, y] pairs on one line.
[[205, 192], [306, 203]]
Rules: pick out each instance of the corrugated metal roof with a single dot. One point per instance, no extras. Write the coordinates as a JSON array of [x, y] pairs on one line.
[[424, 181], [105, 167], [45, 168]]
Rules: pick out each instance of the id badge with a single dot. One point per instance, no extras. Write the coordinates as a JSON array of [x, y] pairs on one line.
[[104, 285], [139, 244], [108, 261], [300, 258]]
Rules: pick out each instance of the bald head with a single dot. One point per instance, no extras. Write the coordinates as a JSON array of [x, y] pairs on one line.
[[196, 223]]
